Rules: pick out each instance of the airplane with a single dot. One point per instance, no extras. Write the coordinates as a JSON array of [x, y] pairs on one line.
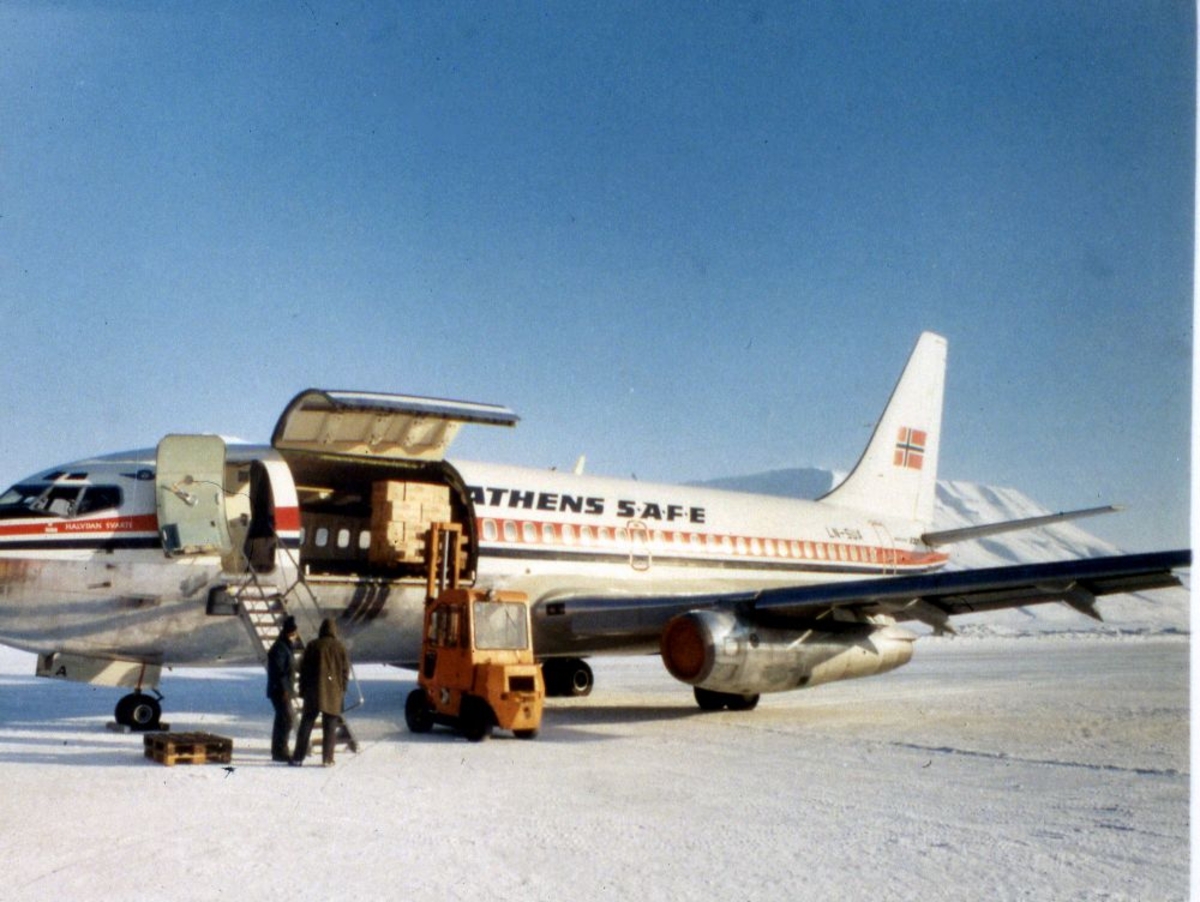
[[114, 567]]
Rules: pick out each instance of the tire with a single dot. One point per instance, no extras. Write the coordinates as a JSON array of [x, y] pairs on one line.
[[567, 677], [417, 713], [525, 734], [121, 713], [709, 700], [138, 711], [743, 702], [475, 720], [582, 679], [553, 676]]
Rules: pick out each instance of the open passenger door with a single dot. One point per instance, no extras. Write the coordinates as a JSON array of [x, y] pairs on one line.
[[191, 495], [369, 424]]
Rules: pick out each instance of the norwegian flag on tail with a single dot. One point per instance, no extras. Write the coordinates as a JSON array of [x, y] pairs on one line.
[[910, 448]]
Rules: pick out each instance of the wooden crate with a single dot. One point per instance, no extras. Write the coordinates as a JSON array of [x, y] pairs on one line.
[[384, 512], [390, 553], [420, 492], [411, 513], [188, 748]]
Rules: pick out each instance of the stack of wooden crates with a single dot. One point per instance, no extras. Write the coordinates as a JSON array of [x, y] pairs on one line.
[[401, 513]]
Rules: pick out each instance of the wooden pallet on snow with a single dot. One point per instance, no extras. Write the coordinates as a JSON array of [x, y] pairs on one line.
[[188, 748]]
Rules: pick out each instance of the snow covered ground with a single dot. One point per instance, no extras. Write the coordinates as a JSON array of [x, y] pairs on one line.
[[1036, 768]]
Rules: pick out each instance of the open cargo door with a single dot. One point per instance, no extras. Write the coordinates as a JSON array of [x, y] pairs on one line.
[[368, 424], [191, 495]]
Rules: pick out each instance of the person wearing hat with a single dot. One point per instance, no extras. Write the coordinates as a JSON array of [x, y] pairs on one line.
[[324, 674], [281, 682]]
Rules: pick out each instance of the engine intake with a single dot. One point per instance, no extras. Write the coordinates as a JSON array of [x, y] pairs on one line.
[[724, 652]]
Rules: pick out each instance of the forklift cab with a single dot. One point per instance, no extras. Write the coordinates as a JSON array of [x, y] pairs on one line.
[[477, 666]]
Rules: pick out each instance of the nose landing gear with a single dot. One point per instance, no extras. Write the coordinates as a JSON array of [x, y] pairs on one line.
[[140, 712]]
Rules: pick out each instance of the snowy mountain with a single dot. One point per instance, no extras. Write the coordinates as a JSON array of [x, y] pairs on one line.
[[970, 504]]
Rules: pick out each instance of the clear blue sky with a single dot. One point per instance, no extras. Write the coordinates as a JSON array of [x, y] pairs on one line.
[[690, 241]]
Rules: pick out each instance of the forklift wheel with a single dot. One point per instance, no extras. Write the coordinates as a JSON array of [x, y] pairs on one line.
[[475, 719], [417, 713]]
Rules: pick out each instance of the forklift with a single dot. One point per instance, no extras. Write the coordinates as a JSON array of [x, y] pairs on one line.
[[477, 669]]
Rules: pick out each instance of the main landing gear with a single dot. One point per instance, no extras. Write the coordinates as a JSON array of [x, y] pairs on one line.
[[709, 700], [140, 712], [567, 677]]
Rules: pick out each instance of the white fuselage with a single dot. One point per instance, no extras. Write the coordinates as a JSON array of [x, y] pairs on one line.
[[196, 552], [97, 581]]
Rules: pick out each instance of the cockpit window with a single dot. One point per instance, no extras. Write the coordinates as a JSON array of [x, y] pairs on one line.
[[19, 500], [98, 498], [39, 499]]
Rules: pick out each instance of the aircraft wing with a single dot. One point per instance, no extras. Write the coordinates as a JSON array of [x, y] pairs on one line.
[[928, 598], [932, 598]]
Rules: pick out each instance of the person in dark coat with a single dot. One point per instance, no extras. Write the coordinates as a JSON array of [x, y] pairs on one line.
[[281, 682], [324, 674]]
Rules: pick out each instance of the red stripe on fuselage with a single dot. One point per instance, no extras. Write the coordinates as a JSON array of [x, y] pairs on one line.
[[139, 523], [287, 519]]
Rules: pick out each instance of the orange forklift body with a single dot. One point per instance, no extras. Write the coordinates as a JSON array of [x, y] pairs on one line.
[[477, 667]]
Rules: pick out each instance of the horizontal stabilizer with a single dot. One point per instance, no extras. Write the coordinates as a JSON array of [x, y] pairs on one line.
[[965, 534]]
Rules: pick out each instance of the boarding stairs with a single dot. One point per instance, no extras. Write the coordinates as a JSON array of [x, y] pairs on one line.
[[262, 608]]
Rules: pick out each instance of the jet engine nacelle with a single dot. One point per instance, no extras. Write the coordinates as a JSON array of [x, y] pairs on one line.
[[724, 652]]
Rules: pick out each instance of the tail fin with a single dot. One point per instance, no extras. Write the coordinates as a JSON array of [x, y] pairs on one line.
[[897, 474]]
